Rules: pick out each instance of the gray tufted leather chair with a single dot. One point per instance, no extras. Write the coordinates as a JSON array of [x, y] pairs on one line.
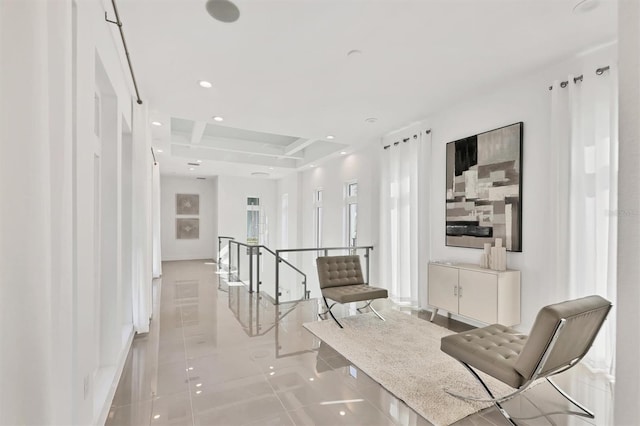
[[341, 280], [560, 337]]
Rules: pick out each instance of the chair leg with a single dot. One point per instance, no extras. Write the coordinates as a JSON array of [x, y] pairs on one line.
[[370, 306], [588, 413], [329, 311], [494, 400], [376, 312], [365, 306]]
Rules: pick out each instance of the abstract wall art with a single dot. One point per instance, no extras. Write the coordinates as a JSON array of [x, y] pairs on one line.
[[187, 204], [187, 229], [484, 189]]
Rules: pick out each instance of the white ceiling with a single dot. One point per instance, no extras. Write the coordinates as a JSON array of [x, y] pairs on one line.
[[283, 81]]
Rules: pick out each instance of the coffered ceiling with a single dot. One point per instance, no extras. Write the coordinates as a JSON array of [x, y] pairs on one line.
[[297, 81]]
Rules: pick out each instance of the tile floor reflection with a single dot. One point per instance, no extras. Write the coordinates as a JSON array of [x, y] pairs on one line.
[[217, 355]]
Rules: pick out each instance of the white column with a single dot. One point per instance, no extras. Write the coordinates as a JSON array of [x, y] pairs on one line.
[[35, 213], [627, 409]]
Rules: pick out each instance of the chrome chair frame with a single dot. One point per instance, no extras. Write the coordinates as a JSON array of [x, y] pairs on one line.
[[536, 376], [329, 307]]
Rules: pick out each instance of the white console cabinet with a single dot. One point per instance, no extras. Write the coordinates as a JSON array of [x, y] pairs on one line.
[[481, 294]]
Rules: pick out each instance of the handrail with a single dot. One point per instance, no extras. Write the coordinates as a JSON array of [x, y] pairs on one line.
[[327, 248], [326, 253], [252, 248], [284, 260], [220, 238], [255, 248]]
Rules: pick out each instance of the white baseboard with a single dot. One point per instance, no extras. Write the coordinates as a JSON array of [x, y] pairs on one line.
[[101, 418]]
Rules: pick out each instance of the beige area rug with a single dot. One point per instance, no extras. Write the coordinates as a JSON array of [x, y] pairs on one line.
[[403, 355]]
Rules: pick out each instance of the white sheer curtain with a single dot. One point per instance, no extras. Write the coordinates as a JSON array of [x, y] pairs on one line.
[[155, 211], [585, 141], [400, 218]]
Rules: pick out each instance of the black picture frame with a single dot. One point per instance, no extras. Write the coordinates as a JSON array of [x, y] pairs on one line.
[[483, 189]]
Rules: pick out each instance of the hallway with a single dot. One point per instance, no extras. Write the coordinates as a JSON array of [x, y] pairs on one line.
[[218, 356]]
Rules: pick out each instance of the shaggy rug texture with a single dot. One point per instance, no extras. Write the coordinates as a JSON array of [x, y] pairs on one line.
[[403, 355]]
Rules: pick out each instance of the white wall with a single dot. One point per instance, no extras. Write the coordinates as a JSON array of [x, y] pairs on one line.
[[526, 99], [58, 370], [627, 386], [205, 247], [331, 176], [232, 195]]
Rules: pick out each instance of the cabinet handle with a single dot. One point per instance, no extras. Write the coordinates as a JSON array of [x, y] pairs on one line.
[[455, 290], [460, 291]]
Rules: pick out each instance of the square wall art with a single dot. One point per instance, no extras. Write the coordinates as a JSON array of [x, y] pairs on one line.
[[187, 204], [484, 189], [187, 229]]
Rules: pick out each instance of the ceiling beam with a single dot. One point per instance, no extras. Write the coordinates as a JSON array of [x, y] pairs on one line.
[[198, 132], [240, 151], [298, 145]]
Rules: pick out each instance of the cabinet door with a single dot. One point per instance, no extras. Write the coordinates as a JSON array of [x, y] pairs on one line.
[[443, 282], [478, 296]]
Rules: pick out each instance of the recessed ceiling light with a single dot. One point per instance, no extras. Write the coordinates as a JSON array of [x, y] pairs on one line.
[[192, 168], [343, 152], [342, 413], [205, 84], [198, 161], [270, 168], [156, 123], [217, 118], [330, 137], [157, 416], [260, 174], [312, 165], [160, 150], [371, 120]]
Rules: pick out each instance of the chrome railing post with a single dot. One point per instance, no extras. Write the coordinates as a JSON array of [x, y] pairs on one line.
[[306, 292], [366, 257], [277, 277], [238, 260], [258, 270], [229, 265], [219, 249], [250, 269]]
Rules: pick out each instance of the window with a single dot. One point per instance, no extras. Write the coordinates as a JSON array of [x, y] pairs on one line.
[[253, 220], [317, 207], [351, 213]]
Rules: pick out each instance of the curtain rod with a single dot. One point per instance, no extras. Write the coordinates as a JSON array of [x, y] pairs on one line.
[[124, 43], [599, 71], [396, 143]]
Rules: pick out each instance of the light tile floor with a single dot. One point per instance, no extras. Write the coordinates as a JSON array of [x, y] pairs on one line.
[[217, 355]]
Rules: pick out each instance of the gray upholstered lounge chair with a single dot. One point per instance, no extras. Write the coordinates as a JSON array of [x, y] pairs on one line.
[[561, 336], [341, 280]]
